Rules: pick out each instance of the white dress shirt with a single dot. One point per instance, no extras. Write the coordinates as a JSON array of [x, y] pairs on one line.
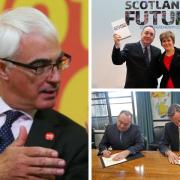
[[25, 120]]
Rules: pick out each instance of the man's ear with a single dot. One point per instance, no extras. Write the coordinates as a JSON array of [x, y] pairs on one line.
[[3, 71]]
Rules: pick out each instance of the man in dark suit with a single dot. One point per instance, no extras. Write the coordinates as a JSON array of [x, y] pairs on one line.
[[142, 60], [170, 140], [36, 142], [122, 136]]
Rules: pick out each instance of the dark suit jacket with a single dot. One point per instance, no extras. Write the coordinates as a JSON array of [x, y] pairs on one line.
[[139, 74], [170, 138], [174, 72], [70, 141], [131, 139]]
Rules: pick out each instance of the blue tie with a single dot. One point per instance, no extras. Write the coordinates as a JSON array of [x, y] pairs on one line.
[[6, 136]]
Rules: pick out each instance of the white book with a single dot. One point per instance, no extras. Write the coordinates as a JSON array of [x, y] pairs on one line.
[[121, 28], [109, 161]]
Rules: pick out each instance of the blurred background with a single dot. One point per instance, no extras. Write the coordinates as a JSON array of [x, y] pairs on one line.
[[70, 17]]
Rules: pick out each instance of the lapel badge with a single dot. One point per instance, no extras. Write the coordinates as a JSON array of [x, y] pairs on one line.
[[49, 136]]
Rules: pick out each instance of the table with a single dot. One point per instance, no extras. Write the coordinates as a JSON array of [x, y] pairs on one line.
[[152, 166]]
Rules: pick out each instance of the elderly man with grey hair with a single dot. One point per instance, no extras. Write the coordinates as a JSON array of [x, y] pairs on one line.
[[36, 142], [171, 140], [123, 136]]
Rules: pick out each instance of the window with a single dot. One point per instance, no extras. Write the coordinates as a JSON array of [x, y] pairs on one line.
[[106, 106]]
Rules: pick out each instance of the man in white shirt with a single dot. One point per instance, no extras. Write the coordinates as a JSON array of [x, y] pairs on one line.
[[47, 144]]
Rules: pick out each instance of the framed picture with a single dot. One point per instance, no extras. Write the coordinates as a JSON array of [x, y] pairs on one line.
[[160, 101]]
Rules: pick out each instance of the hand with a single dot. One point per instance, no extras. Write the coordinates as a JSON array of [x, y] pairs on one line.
[[117, 38], [121, 155], [172, 157], [19, 162], [106, 153]]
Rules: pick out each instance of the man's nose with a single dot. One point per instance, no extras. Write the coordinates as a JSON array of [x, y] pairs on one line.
[[122, 126], [55, 75]]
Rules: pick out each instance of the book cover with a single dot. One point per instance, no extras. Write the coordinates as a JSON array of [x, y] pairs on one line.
[[121, 28]]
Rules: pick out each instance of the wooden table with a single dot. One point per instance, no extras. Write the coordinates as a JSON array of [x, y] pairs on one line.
[[152, 166]]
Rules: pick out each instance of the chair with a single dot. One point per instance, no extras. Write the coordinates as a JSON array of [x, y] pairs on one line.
[[93, 139], [145, 142], [98, 138], [158, 132]]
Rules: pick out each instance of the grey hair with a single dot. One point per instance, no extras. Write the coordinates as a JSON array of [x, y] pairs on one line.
[[14, 23], [173, 109], [126, 112]]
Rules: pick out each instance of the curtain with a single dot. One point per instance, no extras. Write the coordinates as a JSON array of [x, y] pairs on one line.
[[144, 115], [175, 97]]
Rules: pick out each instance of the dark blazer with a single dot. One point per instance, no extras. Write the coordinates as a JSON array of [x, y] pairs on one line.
[[170, 138], [139, 74], [70, 141], [131, 139], [174, 72]]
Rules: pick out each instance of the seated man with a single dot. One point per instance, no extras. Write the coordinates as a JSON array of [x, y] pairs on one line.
[[122, 136], [171, 138]]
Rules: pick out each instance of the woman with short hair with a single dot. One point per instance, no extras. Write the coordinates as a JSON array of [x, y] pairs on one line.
[[169, 61]]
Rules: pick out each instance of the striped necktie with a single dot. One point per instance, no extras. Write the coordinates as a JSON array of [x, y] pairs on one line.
[[6, 135]]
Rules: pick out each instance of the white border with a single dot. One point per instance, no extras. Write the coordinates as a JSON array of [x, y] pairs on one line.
[[89, 88]]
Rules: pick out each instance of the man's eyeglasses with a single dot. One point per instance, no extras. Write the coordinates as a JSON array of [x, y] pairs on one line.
[[41, 66]]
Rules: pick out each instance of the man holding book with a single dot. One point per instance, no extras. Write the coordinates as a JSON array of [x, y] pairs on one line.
[[142, 60]]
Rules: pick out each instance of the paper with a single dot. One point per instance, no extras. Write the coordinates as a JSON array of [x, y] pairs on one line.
[[178, 162], [120, 27], [109, 162]]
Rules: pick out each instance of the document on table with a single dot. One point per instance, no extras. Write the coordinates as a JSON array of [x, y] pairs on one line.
[[106, 162], [109, 161], [178, 162], [121, 28]]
